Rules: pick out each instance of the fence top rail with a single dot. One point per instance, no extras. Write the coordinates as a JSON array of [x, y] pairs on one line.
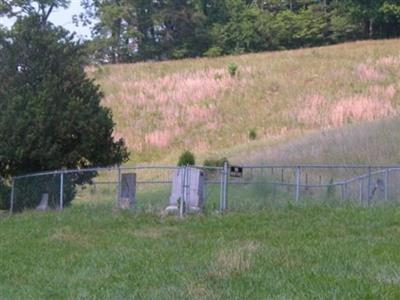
[[112, 168], [170, 167], [321, 166], [366, 175]]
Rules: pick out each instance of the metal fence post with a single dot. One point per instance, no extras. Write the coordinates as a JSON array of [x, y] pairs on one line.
[[298, 174], [61, 190], [386, 184], [343, 188], [225, 186], [187, 186], [369, 185], [12, 195], [221, 190], [183, 198], [342, 192]]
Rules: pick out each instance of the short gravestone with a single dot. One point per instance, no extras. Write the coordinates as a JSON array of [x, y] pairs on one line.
[[194, 191], [44, 203], [127, 197]]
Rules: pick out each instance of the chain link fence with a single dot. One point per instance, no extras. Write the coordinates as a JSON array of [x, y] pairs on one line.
[[159, 189], [143, 189], [260, 187]]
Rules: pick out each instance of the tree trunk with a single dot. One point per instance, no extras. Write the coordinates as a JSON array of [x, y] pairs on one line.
[[371, 28], [116, 36]]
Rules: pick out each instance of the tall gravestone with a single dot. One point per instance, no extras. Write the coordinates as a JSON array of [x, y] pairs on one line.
[[195, 189], [192, 191], [127, 198]]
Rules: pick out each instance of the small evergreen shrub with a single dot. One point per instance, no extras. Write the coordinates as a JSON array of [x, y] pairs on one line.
[[186, 158], [252, 134], [232, 69]]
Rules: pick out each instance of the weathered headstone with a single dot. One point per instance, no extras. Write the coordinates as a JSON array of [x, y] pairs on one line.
[[127, 197], [194, 190], [177, 189], [44, 203]]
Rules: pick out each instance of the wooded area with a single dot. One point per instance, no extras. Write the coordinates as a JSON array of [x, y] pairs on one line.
[[135, 30]]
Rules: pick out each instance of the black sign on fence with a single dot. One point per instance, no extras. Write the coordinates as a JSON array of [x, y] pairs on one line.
[[236, 171]]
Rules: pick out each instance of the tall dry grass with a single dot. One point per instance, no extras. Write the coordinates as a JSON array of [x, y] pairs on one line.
[[375, 103], [165, 108], [374, 143], [162, 108]]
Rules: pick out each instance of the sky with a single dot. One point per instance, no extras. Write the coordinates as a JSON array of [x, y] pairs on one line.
[[62, 17]]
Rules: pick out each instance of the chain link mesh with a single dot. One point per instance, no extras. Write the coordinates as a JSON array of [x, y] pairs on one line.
[[253, 188]]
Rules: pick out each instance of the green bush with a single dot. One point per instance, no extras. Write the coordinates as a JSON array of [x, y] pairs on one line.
[[232, 69], [180, 53], [252, 134], [213, 52], [186, 158]]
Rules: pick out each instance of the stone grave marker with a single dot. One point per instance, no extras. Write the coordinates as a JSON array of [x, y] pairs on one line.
[[127, 197], [194, 191], [44, 202]]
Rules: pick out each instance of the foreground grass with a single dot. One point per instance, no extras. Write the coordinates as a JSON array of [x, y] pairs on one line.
[[291, 252]]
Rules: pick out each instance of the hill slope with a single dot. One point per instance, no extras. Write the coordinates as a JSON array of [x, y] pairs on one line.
[[162, 108]]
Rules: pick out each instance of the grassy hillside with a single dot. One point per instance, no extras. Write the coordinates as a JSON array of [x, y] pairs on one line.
[[373, 143], [162, 108], [315, 252]]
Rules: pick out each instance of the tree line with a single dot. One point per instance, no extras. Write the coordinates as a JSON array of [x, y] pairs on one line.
[[137, 30]]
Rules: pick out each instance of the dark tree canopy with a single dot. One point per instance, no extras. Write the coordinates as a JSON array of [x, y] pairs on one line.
[[50, 112], [136, 30], [132, 30]]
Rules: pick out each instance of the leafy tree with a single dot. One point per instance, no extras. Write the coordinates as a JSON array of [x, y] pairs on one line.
[[139, 29], [241, 33], [342, 28], [40, 8], [50, 112], [390, 16], [115, 35]]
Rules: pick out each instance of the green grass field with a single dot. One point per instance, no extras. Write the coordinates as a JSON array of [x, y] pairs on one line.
[[291, 252]]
